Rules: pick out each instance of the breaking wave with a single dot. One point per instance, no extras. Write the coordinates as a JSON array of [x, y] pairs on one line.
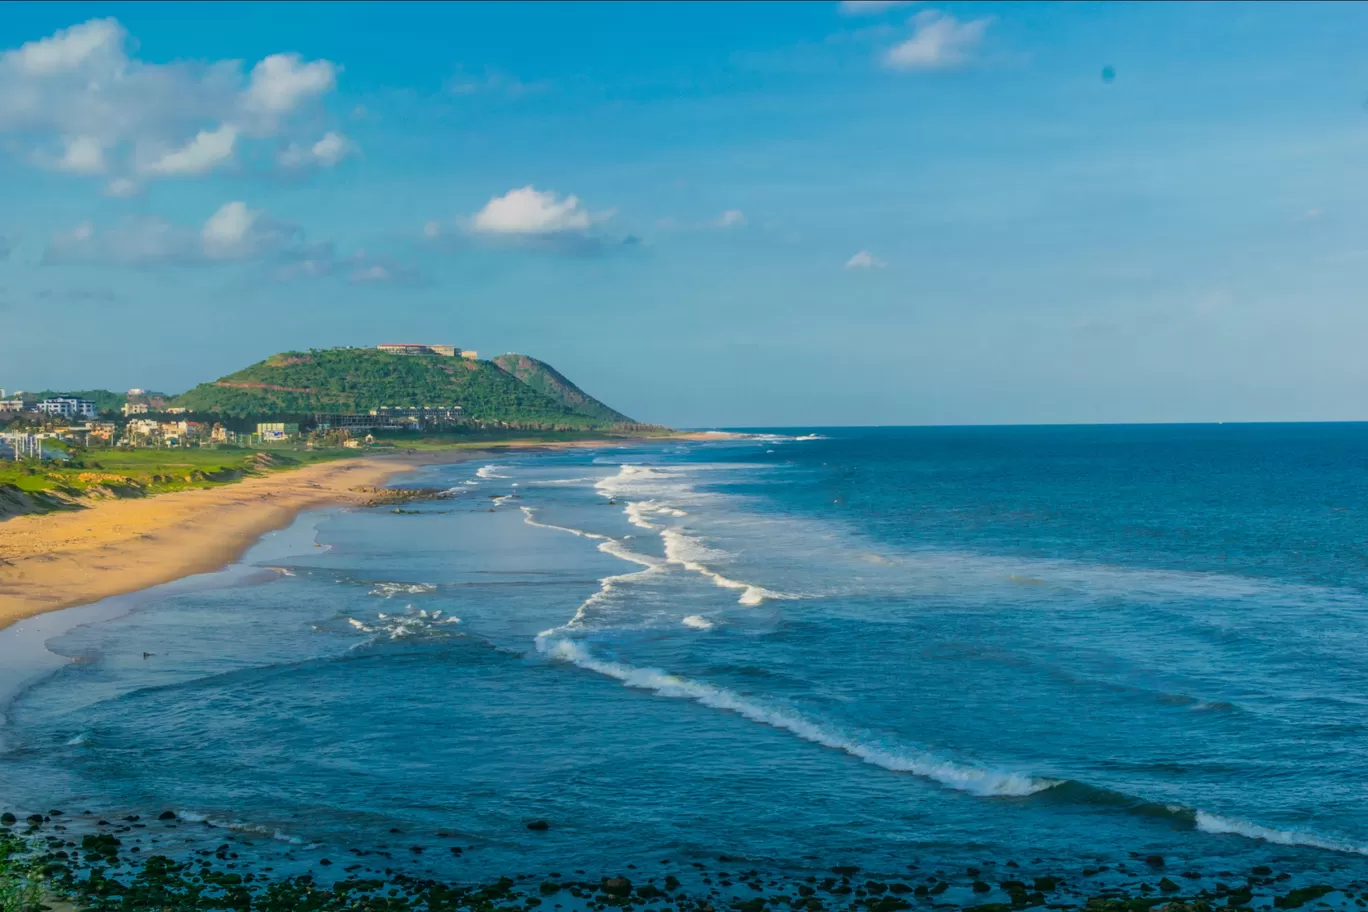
[[390, 590], [972, 779], [489, 471], [237, 826], [1211, 823]]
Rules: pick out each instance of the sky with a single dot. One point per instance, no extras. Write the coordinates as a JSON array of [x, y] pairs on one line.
[[708, 215]]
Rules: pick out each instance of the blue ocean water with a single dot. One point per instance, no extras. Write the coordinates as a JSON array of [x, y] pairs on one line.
[[871, 646]]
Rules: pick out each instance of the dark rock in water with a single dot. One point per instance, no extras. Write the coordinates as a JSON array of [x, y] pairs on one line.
[[672, 883], [981, 887], [874, 887], [1300, 897], [649, 892], [846, 870], [539, 825], [921, 890], [616, 886], [1169, 886], [167, 815], [940, 888], [1261, 870], [548, 887], [54, 813], [1046, 884], [1154, 861], [325, 861], [35, 819], [899, 888], [8, 819]]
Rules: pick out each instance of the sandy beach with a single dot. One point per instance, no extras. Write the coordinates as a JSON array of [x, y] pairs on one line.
[[58, 560]]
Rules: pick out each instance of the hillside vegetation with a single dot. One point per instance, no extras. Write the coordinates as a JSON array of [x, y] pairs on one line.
[[545, 379], [359, 380]]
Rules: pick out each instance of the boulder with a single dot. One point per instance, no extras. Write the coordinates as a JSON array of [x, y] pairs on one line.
[[616, 886]]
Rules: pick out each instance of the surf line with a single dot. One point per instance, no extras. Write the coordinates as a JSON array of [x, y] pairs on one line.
[[554, 643]]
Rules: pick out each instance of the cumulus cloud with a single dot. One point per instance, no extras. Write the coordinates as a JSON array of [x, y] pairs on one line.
[[282, 82], [325, 153], [206, 151], [865, 260], [68, 49], [80, 90], [939, 41], [83, 155], [528, 211], [236, 232], [871, 7]]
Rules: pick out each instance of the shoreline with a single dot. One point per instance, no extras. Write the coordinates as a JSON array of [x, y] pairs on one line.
[[54, 561]]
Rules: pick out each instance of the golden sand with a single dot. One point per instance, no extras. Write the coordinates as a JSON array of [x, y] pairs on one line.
[[57, 560]]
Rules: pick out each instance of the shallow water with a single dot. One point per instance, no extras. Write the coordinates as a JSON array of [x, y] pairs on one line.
[[879, 646]]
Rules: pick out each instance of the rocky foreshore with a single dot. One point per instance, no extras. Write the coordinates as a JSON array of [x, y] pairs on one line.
[[86, 863]]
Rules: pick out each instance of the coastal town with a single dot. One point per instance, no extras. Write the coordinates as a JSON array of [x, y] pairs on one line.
[[45, 425]]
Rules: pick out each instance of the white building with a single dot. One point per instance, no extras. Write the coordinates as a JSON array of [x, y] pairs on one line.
[[135, 408], [67, 407], [11, 405]]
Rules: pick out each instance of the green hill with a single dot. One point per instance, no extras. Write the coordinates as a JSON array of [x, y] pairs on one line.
[[356, 380], [545, 379]]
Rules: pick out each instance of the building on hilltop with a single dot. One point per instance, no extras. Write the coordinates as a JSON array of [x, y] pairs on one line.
[[470, 355], [414, 348], [11, 406], [67, 407], [134, 408]]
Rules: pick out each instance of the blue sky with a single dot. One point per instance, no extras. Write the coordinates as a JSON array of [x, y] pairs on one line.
[[705, 214]]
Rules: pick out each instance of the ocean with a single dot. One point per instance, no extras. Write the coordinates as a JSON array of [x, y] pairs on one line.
[[903, 649]]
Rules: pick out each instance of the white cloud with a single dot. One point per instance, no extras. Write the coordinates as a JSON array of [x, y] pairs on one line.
[[69, 48], [939, 41], [208, 150], [528, 211], [83, 155], [432, 229], [325, 153], [865, 260], [236, 232], [281, 82], [732, 218], [80, 89], [871, 7]]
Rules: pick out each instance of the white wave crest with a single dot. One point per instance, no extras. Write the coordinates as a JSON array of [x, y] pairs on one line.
[[279, 836], [1212, 823], [529, 517], [697, 622], [489, 471], [390, 590], [970, 779], [689, 553]]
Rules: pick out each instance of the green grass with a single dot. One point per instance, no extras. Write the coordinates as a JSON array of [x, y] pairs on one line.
[[141, 472], [21, 889]]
